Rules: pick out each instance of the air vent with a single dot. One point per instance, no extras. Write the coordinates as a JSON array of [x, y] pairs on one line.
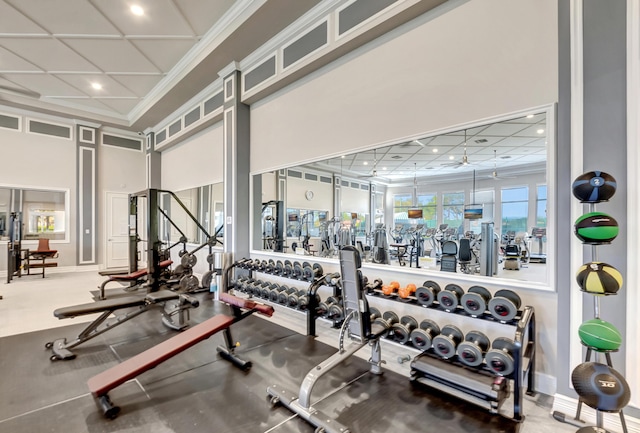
[[481, 140], [396, 157]]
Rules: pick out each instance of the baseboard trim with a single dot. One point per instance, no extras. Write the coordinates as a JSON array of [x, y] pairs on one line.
[[61, 270], [568, 406]]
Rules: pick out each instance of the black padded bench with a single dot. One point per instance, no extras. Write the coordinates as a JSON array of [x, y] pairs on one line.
[[134, 279], [101, 384], [136, 306]]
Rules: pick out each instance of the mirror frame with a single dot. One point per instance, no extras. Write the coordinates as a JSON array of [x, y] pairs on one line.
[[551, 181]]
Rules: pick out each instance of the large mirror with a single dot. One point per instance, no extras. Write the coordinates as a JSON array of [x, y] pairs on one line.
[[471, 200], [204, 204]]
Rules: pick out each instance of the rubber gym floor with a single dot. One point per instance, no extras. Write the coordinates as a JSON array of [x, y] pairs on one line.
[[196, 391]]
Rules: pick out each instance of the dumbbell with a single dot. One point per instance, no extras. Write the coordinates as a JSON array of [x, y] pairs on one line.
[[275, 292], [271, 266], [422, 337], [303, 301], [297, 271], [449, 298], [446, 343], [372, 286], [500, 358], [323, 306], [390, 288], [283, 296], [288, 269], [504, 305], [264, 266], [388, 319], [475, 301], [255, 289], [401, 331], [427, 293], [408, 290], [472, 349], [279, 268], [266, 290], [294, 298], [244, 284], [310, 273], [375, 313]]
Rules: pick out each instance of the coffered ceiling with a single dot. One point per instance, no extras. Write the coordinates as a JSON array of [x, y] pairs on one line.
[[98, 60]]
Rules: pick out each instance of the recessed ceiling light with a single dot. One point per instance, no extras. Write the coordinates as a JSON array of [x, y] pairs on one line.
[[365, 163], [384, 168], [137, 10], [342, 156], [540, 131], [96, 86], [452, 157], [434, 150], [529, 116]]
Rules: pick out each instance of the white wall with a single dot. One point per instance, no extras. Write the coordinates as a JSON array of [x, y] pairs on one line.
[[423, 76], [195, 162]]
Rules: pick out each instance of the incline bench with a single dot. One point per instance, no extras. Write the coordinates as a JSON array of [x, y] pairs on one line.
[[134, 279], [104, 382], [60, 347]]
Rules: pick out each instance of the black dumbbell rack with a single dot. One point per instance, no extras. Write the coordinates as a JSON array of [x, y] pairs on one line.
[[479, 385], [315, 283]]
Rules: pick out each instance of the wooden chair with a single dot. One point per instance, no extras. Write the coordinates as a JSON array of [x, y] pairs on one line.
[[38, 258]]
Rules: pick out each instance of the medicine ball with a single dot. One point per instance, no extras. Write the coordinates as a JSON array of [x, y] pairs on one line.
[[594, 187], [599, 278], [600, 386], [596, 228], [600, 335]]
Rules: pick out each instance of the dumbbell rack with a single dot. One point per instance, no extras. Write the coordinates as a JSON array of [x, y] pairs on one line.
[[479, 385], [315, 283]]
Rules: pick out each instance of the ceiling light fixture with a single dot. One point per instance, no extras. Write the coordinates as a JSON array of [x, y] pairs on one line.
[[540, 131], [434, 150], [96, 86], [529, 116], [365, 163], [137, 10]]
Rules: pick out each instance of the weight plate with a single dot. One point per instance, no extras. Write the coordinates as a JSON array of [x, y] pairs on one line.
[[288, 269], [474, 304], [478, 338], [504, 344], [400, 333], [336, 313], [305, 264], [502, 309], [188, 260], [307, 273], [178, 270], [188, 283], [210, 259], [375, 313], [421, 339], [469, 354], [455, 288], [409, 322], [448, 300], [182, 253], [432, 284], [390, 317], [444, 346], [426, 295], [500, 363], [273, 295], [480, 291], [292, 300], [206, 279], [317, 270], [288, 262], [297, 271], [510, 295], [279, 267], [264, 265], [303, 302]]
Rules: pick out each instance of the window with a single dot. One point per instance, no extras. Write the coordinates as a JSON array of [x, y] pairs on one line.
[[541, 206], [429, 205], [515, 208], [453, 209], [426, 202], [43, 213], [401, 204]]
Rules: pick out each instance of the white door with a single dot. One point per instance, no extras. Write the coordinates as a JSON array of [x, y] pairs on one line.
[[117, 230]]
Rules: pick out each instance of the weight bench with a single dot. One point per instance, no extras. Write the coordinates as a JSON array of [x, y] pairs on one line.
[[101, 384], [134, 279], [358, 327], [61, 348]]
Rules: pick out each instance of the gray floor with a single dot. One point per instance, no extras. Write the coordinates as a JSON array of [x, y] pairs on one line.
[[198, 392]]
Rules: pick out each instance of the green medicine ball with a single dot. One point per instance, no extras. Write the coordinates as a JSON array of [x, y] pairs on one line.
[[600, 335], [599, 278], [596, 228]]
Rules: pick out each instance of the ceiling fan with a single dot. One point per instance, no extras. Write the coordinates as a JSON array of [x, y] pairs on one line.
[[465, 159], [494, 174]]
